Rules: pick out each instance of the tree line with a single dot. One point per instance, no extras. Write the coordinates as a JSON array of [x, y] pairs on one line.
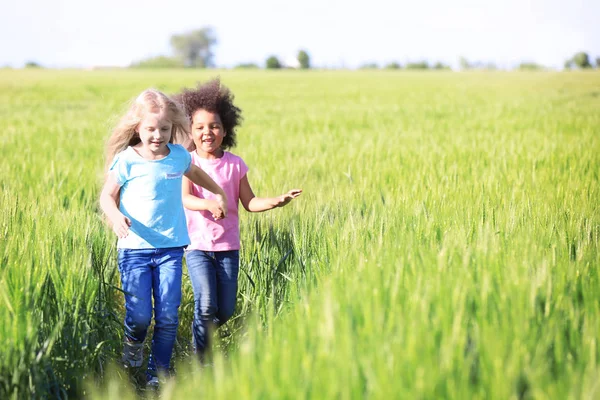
[[195, 49]]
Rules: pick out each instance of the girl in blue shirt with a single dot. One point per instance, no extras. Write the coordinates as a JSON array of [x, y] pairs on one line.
[[142, 200]]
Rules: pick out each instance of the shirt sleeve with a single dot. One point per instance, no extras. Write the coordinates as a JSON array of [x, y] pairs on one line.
[[119, 169], [184, 156]]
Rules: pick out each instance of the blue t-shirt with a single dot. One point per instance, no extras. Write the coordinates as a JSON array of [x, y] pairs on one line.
[[151, 198]]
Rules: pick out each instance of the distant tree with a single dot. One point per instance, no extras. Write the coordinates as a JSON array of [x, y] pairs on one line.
[[369, 66], [195, 48], [273, 63], [303, 59], [159, 62], [481, 65], [569, 64], [440, 65], [597, 62], [393, 65], [530, 66], [464, 63], [417, 65], [32, 64], [582, 60], [246, 66]]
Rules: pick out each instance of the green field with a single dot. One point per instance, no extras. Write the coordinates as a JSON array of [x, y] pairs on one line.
[[446, 244]]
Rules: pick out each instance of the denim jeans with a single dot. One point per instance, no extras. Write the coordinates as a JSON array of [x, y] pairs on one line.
[[214, 277], [148, 274]]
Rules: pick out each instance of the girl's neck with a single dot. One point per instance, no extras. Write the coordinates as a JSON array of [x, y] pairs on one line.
[[210, 156], [147, 154]]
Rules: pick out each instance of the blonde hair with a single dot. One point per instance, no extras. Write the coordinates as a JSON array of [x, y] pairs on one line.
[[149, 101]]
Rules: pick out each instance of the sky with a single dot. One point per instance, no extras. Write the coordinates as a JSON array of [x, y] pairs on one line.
[[335, 33]]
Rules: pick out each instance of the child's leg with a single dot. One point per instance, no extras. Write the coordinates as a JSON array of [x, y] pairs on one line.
[[136, 282], [166, 285], [202, 270], [228, 265]]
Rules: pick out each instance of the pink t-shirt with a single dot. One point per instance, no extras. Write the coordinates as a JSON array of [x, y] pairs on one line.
[[206, 233]]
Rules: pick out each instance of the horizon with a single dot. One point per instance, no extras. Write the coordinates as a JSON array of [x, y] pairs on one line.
[[336, 35]]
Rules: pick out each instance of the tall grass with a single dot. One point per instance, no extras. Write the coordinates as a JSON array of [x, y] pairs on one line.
[[445, 245]]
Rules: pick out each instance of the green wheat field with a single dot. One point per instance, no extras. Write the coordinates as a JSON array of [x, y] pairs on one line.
[[446, 244]]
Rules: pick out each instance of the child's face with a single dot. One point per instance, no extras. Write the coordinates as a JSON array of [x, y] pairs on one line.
[[207, 131], [155, 132]]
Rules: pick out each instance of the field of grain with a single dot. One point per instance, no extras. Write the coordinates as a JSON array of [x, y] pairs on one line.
[[446, 244]]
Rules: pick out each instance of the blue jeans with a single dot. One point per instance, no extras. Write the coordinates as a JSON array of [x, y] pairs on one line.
[[148, 274], [214, 277]]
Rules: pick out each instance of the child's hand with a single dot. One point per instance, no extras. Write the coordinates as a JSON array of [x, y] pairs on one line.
[[121, 226], [222, 204], [287, 197], [216, 210]]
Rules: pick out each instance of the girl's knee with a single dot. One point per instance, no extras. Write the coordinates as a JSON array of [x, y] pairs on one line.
[[204, 309], [167, 316], [137, 325]]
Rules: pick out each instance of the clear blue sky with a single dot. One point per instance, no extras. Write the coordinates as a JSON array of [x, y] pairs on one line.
[[336, 33]]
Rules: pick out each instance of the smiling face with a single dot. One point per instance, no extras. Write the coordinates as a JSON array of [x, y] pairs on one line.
[[155, 132], [207, 133]]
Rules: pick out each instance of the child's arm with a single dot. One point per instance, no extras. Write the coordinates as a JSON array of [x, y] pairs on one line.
[[194, 203], [201, 178], [257, 204], [108, 202]]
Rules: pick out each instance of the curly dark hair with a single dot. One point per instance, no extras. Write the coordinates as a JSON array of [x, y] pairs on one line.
[[215, 98]]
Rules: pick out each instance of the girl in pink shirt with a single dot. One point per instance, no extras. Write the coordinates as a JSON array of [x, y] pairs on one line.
[[213, 255]]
